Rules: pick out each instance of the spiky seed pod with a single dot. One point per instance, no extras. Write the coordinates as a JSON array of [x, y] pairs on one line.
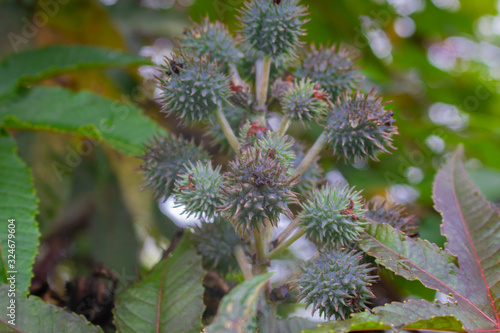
[[311, 177], [305, 101], [211, 38], [273, 28], [164, 159], [241, 96], [279, 146], [336, 283], [359, 127], [250, 132], [280, 87], [198, 189], [333, 216], [215, 242], [235, 117], [393, 214], [256, 187], [194, 88], [333, 67]]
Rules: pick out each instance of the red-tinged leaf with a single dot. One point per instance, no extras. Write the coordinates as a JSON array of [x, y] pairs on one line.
[[472, 227], [418, 259]]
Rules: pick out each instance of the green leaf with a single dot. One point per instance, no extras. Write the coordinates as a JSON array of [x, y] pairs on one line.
[[32, 315], [169, 299], [17, 201], [30, 66], [238, 309], [293, 325], [471, 225], [411, 315], [120, 125]]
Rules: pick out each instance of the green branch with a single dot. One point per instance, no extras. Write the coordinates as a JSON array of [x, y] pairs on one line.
[[228, 131], [312, 153]]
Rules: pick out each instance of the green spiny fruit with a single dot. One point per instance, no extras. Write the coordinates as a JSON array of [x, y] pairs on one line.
[[280, 88], [336, 283], [256, 187], [164, 159], [311, 177], [331, 66], [215, 242], [234, 116], [211, 38], [194, 88], [393, 214], [273, 28], [359, 127], [304, 101], [198, 189], [333, 216], [279, 146], [250, 132]]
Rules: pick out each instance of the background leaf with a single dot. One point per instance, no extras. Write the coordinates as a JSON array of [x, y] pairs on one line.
[[238, 309], [169, 299], [33, 65], [17, 201], [120, 125], [471, 225], [36, 316]]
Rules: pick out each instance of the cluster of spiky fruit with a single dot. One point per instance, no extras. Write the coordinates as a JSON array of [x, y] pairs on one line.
[[257, 187], [337, 284], [197, 189], [164, 159], [193, 87], [393, 214], [221, 80], [273, 28], [359, 127], [215, 241], [333, 216]]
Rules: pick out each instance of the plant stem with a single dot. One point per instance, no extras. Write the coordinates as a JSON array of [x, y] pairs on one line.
[[312, 153], [228, 131], [243, 262], [286, 243], [285, 123], [262, 69], [286, 232], [260, 253], [235, 75]]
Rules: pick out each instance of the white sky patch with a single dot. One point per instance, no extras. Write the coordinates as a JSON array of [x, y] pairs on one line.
[[414, 175], [404, 26], [448, 115], [402, 194], [175, 214], [435, 143]]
